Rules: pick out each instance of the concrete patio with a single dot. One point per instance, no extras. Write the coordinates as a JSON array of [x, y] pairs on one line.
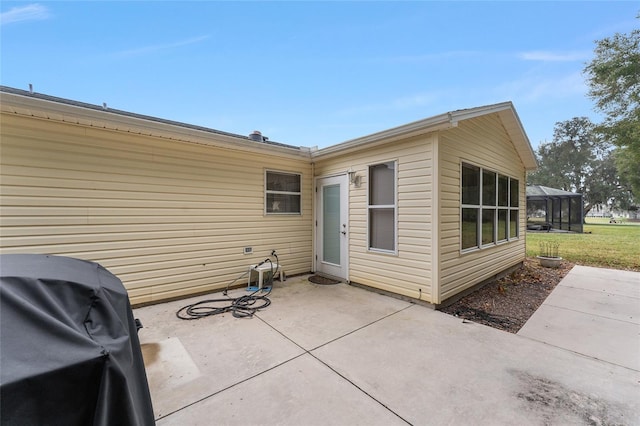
[[342, 355]]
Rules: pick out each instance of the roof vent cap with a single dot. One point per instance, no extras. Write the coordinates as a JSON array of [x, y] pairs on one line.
[[257, 136]]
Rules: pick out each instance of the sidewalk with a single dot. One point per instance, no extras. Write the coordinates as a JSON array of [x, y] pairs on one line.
[[594, 312]]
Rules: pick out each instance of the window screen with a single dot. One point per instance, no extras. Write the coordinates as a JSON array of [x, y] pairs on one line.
[[283, 193], [382, 206]]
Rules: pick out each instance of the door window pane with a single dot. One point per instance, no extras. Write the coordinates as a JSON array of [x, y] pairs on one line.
[[331, 224]]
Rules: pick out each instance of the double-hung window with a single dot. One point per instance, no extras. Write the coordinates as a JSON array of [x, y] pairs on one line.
[[382, 207], [490, 209], [282, 193]]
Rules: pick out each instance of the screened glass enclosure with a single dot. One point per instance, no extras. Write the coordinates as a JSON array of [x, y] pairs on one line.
[[550, 208]]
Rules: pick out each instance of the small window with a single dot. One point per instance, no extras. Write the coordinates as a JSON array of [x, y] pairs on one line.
[[514, 194], [469, 228], [503, 191], [488, 188], [488, 226], [382, 206], [470, 184], [283, 193], [503, 224], [513, 223]]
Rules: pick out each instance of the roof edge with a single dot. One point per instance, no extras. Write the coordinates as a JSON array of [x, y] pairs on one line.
[[427, 125], [148, 125], [443, 122], [547, 191]]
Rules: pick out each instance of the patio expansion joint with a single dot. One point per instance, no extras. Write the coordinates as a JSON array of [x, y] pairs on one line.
[[360, 389], [309, 352], [230, 386], [305, 352], [579, 353], [600, 291], [589, 313]]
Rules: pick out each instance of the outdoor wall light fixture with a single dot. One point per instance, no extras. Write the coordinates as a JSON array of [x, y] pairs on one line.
[[354, 179]]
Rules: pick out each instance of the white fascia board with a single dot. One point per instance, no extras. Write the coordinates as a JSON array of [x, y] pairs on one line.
[[432, 124], [428, 125], [467, 114], [42, 108], [516, 132], [512, 124], [446, 121]]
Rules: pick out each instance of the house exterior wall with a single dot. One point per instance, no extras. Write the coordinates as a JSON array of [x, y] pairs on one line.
[[483, 142], [408, 272], [168, 218]]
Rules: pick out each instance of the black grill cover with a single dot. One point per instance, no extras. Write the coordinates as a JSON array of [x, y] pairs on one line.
[[69, 349]]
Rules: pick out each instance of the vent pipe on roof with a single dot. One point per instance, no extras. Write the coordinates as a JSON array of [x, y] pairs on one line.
[[257, 136], [31, 88]]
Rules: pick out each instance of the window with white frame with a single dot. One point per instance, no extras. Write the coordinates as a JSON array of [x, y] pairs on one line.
[[282, 192], [490, 207], [382, 206]]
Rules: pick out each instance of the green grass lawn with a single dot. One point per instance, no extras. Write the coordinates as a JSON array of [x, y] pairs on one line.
[[607, 245]]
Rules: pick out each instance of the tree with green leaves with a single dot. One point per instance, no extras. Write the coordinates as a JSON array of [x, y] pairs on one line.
[[580, 160], [614, 80]]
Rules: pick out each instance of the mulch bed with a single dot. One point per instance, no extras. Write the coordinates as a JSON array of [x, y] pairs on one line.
[[508, 303]]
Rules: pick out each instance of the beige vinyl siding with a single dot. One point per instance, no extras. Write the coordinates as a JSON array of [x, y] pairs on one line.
[[481, 142], [168, 218], [409, 272]]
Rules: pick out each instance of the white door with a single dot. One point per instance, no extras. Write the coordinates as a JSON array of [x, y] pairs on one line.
[[332, 227]]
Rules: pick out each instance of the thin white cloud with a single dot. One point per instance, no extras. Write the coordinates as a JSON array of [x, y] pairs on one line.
[[531, 89], [546, 56], [402, 103], [158, 47], [31, 12]]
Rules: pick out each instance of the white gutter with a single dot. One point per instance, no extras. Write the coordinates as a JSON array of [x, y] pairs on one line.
[[431, 124], [104, 119]]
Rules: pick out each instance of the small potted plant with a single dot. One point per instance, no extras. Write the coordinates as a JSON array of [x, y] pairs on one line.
[[549, 257]]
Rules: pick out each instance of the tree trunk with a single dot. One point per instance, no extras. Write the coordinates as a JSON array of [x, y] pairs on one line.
[[586, 209]]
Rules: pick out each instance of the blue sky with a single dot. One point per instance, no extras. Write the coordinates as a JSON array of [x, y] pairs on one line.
[[311, 73]]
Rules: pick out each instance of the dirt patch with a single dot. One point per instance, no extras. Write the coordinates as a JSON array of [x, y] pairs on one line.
[[508, 303]]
